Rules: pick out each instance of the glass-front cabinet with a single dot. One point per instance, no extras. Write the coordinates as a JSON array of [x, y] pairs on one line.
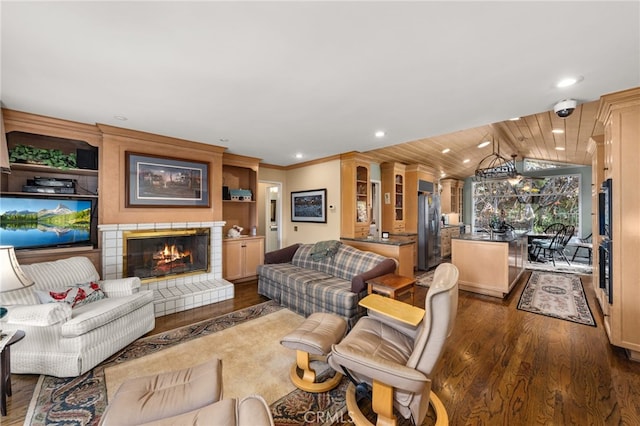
[[356, 195], [393, 204]]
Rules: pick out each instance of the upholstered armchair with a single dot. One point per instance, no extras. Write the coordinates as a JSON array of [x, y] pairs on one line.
[[64, 336], [395, 359]]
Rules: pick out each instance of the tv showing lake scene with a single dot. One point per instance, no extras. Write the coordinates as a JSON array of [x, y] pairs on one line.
[[35, 222]]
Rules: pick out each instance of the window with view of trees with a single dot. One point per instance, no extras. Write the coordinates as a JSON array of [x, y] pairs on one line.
[[531, 204]]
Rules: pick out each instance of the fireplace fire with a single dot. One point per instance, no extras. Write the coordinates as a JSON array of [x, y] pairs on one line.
[[159, 253]]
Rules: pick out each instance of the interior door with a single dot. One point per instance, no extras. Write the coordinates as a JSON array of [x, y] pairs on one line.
[[273, 216]]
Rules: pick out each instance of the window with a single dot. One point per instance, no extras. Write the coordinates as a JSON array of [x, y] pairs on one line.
[[532, 204]]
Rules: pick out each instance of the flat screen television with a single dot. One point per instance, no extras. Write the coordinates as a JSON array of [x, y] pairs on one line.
[[46, 221]]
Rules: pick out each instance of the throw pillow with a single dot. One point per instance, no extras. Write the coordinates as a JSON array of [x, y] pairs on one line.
[[78, 295]]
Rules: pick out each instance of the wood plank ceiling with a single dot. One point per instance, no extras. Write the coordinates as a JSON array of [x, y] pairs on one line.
[[528, 137]]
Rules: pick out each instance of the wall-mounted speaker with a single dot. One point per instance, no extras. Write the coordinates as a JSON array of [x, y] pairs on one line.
[[87, 158], [226, 194]]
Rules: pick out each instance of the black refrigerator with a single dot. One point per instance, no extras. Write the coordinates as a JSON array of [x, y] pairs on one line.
[[428, 231]]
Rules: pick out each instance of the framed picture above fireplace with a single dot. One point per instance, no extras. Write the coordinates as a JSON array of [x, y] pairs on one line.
[[155, 181]]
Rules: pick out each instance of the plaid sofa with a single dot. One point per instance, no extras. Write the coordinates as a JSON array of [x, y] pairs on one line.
[[334, 284]]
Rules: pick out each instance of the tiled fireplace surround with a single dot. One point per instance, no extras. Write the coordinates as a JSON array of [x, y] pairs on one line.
[[178, 293]]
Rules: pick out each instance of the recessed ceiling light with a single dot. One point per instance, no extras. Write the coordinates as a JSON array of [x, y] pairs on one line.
[[514, 119], [483, 144], [120, 117], [557, 131], [466, 160], [444, 151], [380, 134], [298, 155], [559, 148], [568, 81]]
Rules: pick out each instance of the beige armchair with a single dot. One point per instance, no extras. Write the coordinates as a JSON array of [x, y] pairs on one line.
[[395, 358]]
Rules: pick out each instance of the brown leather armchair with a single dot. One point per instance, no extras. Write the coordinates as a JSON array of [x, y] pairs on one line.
[[191, 396], [396, 360]]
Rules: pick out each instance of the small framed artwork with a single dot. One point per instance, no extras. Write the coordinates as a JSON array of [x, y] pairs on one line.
[[155, 181], [309, 206], [385, 235]]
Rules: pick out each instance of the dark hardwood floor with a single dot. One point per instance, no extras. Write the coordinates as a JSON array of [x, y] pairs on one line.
[[500, 365]]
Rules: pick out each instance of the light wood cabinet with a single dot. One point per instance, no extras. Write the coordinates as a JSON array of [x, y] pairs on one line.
[[620, 115], [451, 196], [70, 138], [240, 172], [355, 183], [393, 203], [241, 257], [489, 267], [445, 239], [596, 149]]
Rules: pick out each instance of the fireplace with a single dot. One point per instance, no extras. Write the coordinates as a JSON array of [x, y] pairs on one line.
[[182, 290], [162, 253]]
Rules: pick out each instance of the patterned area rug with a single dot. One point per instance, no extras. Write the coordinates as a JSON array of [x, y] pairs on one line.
[[556, 295], [424, 278], [82, 400]]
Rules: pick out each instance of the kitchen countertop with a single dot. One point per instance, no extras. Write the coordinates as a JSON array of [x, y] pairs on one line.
[[393, 241], [495, 237]]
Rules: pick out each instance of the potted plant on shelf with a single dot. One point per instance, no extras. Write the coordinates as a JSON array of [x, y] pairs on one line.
[[47, 157]]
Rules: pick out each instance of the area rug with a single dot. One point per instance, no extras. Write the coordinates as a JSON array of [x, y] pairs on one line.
[[253, 360], [558, 296], [424, 278], [82, 400]]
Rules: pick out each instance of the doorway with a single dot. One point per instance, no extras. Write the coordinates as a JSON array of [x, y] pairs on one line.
[[376, 209], [272, 215]]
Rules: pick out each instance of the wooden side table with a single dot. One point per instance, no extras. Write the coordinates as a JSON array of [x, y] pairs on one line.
[[5, 370], [392, 285]]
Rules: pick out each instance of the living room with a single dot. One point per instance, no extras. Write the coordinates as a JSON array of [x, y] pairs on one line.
[[226, 143]]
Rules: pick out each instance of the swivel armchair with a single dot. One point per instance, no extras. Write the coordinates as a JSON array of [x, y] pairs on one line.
[[397, 360]]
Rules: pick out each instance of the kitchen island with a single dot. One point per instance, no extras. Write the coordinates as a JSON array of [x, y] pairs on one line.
[[489, 264], [399, 248]]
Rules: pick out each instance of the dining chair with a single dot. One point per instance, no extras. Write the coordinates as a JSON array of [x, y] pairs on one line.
[[556, 245], [537, 244], [584, 243]]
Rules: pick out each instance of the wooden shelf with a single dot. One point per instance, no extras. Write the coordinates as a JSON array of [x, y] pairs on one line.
[[50, 194], [46, 169]]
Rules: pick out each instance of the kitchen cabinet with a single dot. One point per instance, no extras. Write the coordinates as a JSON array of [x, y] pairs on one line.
[[355, 183], [619, 113], [241, 257], [451, 196], [596, 149], [490, 266], [393, 204], [446, 233]]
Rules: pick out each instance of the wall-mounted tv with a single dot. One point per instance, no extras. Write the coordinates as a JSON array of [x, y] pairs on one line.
[[46, 221]]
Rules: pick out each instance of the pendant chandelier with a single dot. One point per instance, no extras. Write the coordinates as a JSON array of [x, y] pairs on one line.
[[496, 167]]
